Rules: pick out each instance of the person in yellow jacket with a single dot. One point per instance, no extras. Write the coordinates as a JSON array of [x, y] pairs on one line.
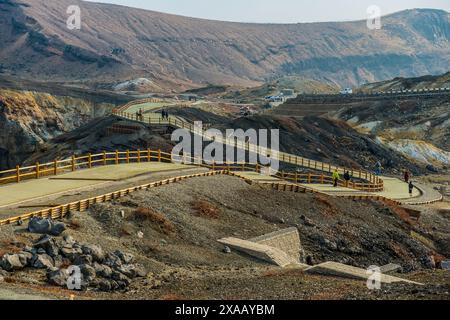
[[336, 178]]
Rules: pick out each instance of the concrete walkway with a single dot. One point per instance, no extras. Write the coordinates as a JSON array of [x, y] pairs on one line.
[[34, 189]]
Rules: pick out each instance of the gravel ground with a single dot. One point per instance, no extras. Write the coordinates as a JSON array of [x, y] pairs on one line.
[[180, 250]]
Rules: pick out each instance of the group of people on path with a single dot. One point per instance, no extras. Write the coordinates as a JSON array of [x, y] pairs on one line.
[[378, 170], [140, 115], [336, 177], [165, 114]]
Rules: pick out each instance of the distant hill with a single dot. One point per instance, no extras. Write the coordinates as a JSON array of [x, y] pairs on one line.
[[118, 43], [424, 82]]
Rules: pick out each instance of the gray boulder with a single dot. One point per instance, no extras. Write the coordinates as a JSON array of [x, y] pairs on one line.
[[82, 259], [25, 258], [48, 244], [40, 225], [11, 262], [68, 240], [60, 261], [105, 285], [46, 226], [95, 251], [42, 261], [132, 270], [58, 277], [102, 271], [57, 229], [126, 258], [88, 273], [112, 260], [71, 253], [119, 277]]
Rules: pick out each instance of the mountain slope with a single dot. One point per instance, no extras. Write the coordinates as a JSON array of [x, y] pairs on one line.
[[124, 43]]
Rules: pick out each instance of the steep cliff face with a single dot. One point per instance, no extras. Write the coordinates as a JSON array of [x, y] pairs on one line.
[[29, 119], [118, 43]]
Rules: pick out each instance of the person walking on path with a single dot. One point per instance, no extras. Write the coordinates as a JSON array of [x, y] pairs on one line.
[[406, 176], [336, 178], [378, 168], [347, 178]]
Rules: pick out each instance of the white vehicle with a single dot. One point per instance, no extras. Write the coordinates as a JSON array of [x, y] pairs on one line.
[[347, 91]]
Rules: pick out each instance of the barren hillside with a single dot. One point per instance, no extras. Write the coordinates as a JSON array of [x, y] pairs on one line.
[[120, 43]]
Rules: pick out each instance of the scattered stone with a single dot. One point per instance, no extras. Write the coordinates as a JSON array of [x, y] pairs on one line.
[[58, 277], [48, 244], [88, 272], [122, 213], [57, 229], [71, 253], [140, 235], [61, 261], [46, 226], [95, 251], [227, 250], [69, 240], [105, 285], [102, 271], [82, 259], [307, 222], [112, 260], [25, 257], [42, 261], [125, 257], [120, 278], [11, 262]]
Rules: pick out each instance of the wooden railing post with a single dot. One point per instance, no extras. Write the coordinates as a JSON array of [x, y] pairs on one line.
[[117, 157], [309, 177], [128, 156], [149, 155], [296, 177], [159, 155], [55, 167], [104, 158], [73, 163], [322, 179], [90, 160], [37, 170], [139, 155], [17, 174]]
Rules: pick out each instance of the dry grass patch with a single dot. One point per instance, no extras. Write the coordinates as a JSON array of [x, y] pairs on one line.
[[158, 219], [205, 209]]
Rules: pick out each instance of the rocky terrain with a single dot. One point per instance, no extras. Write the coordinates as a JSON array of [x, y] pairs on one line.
[[401, 83], [171, 231], [29, 119], [117, 44], [415, 127]]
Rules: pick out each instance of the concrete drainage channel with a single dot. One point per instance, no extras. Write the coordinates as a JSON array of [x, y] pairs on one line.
[[282, 248]]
